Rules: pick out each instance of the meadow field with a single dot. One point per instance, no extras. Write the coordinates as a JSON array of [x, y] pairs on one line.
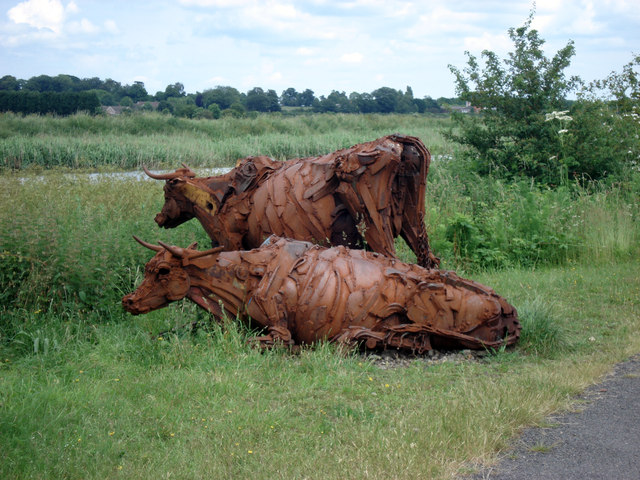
[[88, 391]]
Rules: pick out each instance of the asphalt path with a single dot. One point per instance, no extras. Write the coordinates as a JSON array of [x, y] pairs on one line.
[[600, 440]]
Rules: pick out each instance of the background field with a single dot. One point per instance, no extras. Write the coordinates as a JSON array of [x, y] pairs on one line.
[[87, 391]]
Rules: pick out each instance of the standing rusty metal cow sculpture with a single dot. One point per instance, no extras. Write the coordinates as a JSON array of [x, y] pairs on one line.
[[362, 197], [302, 293]]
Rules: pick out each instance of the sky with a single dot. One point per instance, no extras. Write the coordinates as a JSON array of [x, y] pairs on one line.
[[324, 45]]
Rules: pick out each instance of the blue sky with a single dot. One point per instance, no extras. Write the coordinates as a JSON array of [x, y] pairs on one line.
[[324, 45]]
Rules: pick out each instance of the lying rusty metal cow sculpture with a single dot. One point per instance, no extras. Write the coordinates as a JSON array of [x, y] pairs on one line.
[[302, 293], [362, 197]]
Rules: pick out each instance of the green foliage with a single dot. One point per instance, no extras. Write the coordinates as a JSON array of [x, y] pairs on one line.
[[14, 271], [510, 137], [477, 222]]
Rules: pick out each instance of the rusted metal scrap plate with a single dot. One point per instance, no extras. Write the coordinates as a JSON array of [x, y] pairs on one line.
[[362, 197], [302, 293]]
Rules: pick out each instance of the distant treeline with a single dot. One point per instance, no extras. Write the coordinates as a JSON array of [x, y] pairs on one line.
[[64, 103], [36, 95]]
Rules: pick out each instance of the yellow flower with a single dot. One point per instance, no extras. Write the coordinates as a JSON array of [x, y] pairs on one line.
[[119, 467], [111, 434], [172, 434], [250, 451], [370, 379]]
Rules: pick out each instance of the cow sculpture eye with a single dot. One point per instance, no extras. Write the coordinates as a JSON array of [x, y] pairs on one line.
[[163, 271]]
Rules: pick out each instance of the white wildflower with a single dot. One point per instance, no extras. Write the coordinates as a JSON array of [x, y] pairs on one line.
[[564, 130], [557, 115]]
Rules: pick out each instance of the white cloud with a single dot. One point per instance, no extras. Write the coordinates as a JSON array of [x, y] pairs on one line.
[[355, 57], [83, 26], [41, 14], [498, 43], [111, 26], [304, 51], [72, 7], [216, 3]]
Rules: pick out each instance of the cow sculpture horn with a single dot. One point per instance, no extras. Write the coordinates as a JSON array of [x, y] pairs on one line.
[[155, 248], [176, 251], [181, 172], [206, 252]]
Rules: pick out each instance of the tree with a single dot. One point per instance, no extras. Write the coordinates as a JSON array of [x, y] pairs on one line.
[[174, 90], [290, 98], [10, 83], [387, 99], [257, 100], [137, 92], [511, 137], [274, 101], [363, 102], [223, 96], [306, 98]]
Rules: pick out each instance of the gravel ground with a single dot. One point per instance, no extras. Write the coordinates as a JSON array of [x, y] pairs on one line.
[[395, 359], [599, 440]]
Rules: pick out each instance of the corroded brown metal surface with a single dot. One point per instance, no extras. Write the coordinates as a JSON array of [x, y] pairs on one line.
[[362, 197], [302, 293]]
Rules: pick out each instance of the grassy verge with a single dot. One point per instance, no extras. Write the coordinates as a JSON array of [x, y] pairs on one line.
[[111, 400]]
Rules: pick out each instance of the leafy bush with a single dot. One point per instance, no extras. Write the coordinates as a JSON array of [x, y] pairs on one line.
[[510, 137]]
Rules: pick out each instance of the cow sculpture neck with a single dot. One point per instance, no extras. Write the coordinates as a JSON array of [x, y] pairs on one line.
[[302, 293]]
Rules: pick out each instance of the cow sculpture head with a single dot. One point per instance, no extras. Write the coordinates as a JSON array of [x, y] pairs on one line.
[[165, 278], [184, 194]]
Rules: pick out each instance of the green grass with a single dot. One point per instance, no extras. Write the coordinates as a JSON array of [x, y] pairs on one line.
[[88, 391], [127, 142], [111, 395]]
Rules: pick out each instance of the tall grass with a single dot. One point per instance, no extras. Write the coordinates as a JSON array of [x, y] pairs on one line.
[[481, 222], [127, 142]]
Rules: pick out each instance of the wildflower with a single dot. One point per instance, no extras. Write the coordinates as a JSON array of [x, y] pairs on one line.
[[557, 115], [111, 434], [250, 451], [370, 379], [564, 130], [119, 467], [386, 385], [172, 434]]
